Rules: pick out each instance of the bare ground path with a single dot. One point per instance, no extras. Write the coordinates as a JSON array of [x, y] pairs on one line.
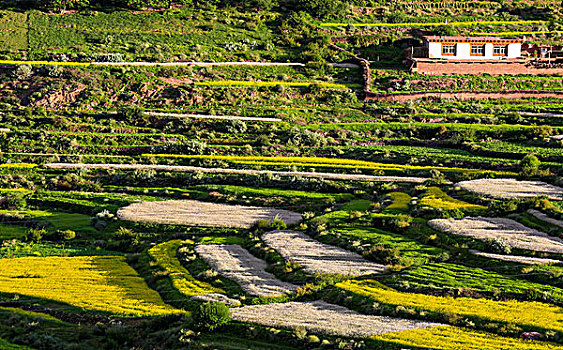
[[180, 168]]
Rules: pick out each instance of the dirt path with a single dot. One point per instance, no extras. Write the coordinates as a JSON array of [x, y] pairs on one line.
[[205, 116], [179, 168], [167, 64]]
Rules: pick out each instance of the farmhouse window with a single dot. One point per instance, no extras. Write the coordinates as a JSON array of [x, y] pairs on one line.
[[499, 50], [448, 49], [477, 50]]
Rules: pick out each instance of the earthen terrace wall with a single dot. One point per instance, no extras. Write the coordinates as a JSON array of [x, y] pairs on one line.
[[463, 95]]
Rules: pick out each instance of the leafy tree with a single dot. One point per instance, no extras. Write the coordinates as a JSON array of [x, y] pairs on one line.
[[210, 316], [529, 165]]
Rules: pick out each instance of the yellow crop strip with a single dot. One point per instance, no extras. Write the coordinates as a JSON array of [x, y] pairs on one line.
[[454, 338], [18, 165], [436, 198], [243, 83], [524, 313], [164, 255], [325, 162], [430, 24], [98, 283], [515, 33]]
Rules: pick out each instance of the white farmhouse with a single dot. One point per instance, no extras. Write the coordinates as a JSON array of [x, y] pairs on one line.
[[472, 48]]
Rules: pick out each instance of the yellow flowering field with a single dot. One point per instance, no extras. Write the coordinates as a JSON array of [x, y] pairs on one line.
[[324, 162], [100, 283], [524, 313], [18, 165], [454, 338], [164, 255], [430, 24], [436, 198]]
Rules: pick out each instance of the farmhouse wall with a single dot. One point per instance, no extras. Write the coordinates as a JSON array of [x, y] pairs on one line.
[[447, 67], [514, 50]]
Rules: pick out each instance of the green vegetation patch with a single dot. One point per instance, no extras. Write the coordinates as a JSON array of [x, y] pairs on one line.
[[446, 276], [13, 31]]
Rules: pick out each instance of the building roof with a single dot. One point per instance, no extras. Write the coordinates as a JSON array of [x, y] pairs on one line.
[[470, 39]]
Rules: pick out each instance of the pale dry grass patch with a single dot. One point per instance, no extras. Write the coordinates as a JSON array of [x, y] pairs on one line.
[[196, 213], [516, 258], [237, 264], [191, 169], [216, 298], [512, 232], [324, 318], [512, 188], [317, 257], [541, 216]]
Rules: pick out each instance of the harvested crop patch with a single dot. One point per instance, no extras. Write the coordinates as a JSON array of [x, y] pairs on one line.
[[516, 258], [237, 264], [541, 216], [195, 213], [316, 257], [325, 318], [514, 233], [98, 283], [512, 188], [216, 298]]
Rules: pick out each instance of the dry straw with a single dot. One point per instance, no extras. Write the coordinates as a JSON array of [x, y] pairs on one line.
[[513, 233], [324, 318], [237, 264], [316, 257], [196, 213]]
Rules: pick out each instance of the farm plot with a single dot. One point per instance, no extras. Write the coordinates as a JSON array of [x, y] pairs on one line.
[[316, 257], [237, 264], [164, 256], [195, 213], [514, 233], [523, 313], [516, 258], [99, 283], [541, 216], [325, 318], [512, 188]]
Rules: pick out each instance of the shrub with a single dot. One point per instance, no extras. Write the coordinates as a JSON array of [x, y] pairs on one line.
[[381, 254], [131, 114], [22, 72], [35, 235], [529, 165], [278, 224], [236, 126], [67, 235], [496, 245], [210, 316]]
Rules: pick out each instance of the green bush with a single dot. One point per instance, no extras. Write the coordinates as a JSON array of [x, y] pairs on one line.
[[210, 316], [35, 235], [496, 245], [67, 235], [381, 254], [529, 165]]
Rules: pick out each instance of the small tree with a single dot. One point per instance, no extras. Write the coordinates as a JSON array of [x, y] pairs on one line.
[[529, 165], [210, 316]]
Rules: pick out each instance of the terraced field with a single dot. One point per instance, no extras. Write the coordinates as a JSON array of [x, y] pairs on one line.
[[270, 175]]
